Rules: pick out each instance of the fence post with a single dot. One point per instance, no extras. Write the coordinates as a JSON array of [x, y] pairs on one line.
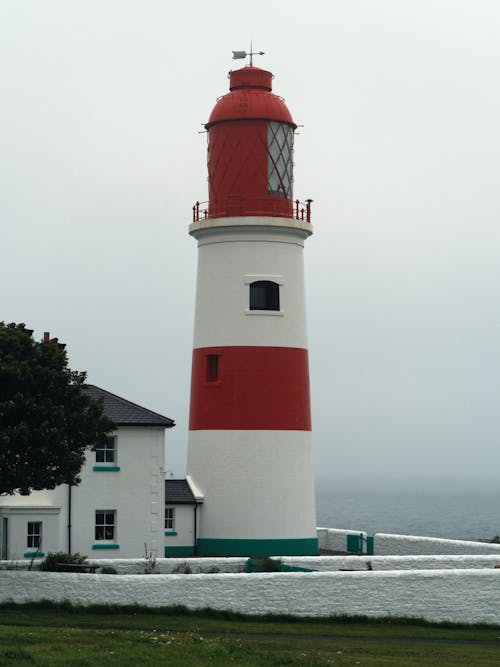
[[308, 209]]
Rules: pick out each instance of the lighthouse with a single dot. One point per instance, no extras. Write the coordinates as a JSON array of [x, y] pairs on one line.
[[249, 447]]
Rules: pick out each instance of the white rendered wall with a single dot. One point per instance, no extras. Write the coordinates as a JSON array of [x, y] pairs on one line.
[[413, 544], [136, 492], [184, 527], [18, 518], [234, 252], [47, 506], [47, 498], [269, 483], [466, 596]]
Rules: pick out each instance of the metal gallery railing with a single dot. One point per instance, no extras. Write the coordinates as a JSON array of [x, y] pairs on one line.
[[298, 211]]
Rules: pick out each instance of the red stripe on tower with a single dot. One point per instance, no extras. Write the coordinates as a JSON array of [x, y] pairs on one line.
[[250, 388]]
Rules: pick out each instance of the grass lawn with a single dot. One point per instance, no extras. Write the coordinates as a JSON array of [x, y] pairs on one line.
[[47, 635]]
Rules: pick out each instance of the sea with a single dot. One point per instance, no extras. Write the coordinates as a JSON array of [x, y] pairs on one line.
[[451, 508]]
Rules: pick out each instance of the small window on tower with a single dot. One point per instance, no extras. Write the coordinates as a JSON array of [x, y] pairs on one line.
[[212, 367], [264, 295]]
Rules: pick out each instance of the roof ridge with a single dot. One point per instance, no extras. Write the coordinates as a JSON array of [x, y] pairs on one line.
[[178, 492], [135, 405]]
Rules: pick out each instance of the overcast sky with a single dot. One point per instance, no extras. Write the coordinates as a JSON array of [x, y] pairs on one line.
[[101, 159]]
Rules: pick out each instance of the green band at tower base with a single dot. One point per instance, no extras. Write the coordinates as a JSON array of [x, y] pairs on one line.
[[307, 546]]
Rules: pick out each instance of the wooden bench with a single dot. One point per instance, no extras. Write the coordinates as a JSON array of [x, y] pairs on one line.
[[77, 567]]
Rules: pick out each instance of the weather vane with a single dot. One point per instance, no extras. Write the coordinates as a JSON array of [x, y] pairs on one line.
[[243, 54]]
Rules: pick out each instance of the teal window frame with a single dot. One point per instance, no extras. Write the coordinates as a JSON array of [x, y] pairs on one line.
[[34, 535], [169, 520], [107, 452], [105, 525], [105, 546]]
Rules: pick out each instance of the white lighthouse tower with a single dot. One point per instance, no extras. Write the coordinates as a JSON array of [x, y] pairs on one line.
[[249, 449]]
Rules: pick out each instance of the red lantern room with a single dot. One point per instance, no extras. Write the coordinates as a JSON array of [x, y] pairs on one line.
[[250, 149]]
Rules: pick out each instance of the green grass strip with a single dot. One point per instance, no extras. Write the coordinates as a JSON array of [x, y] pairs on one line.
[[62, 635]]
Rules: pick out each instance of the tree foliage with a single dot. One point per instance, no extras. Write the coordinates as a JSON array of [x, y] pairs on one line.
[[47, 421]]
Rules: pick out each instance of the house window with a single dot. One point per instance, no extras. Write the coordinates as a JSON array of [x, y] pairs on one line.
[[106, 452], [34, 534], [105, 524], [264, 295], [212, 373], [169, 518]]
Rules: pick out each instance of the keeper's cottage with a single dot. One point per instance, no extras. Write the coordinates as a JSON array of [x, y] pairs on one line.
[[118, 506]]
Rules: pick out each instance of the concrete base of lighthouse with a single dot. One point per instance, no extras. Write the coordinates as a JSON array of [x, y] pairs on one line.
[[255, 548], [251, 508]]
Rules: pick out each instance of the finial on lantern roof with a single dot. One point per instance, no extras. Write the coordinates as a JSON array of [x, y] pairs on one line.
[[243, 54]]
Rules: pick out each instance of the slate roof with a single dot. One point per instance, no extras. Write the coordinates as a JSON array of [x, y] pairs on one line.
[[178, 492], [126, 413]]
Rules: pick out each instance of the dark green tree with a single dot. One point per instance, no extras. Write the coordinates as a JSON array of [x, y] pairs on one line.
[[47, 420]]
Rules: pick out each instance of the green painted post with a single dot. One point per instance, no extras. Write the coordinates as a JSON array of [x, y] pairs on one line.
[[354, 543]]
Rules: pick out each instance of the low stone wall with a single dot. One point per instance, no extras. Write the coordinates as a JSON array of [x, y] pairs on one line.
[[313, 563], [335, 539], [388, 544], [161, 565], [384, 544], [176, 565], [440, 562], [468, 596]]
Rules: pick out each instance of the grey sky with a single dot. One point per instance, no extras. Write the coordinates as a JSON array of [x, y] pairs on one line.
[[101, 161]]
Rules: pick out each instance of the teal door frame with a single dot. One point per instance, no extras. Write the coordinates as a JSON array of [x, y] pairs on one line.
[[5, 538]]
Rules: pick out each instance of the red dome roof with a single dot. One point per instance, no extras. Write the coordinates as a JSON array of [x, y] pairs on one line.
[[250, 98]]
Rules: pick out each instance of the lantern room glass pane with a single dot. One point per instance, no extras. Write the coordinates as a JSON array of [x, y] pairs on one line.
[[279, 162]]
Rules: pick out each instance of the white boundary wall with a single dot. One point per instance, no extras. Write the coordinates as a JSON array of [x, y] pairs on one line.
[[335, 539], [138, 565], [388, 544], [468, 596], [173, 565], [316, 563], [335, 563]]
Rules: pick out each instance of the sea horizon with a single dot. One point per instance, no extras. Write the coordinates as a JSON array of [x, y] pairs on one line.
[[453, 508]]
